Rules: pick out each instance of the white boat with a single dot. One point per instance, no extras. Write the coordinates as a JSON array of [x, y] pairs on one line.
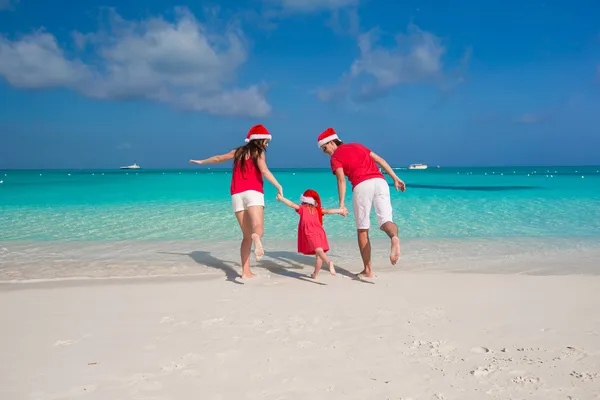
[[417, 166], [132, 166]]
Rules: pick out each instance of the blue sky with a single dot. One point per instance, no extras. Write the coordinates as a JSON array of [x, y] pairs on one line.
[[100, 85]]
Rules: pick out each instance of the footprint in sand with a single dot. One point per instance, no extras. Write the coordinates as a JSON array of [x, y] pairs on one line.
[[482, 371], [173, 366], [585, 376], [525, 380], [164, 320], [62, 343], [480, 350]]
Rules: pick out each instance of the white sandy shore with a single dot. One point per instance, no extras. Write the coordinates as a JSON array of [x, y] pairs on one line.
[[406, 335]]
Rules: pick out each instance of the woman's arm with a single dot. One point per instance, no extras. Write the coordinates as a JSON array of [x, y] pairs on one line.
[[215, 159], [262, 166], [287, 202], [340, 211], [398, 184]]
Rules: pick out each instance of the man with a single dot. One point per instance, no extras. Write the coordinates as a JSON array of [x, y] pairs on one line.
[[369, 188]]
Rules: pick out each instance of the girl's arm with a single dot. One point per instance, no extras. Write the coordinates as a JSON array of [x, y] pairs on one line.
[[262, 166], [340, 211], [215, 159], [287, 202]]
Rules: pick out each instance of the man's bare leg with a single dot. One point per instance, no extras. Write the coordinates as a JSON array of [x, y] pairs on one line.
[[391, 229], [364, 244]]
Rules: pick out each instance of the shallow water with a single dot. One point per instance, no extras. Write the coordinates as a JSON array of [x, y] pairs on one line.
[[195, 204]]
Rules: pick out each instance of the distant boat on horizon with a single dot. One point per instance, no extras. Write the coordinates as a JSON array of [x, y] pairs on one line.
[[132, 166], [417, 166]]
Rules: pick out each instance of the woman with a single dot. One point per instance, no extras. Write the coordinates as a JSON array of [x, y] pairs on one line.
[[247, 194]]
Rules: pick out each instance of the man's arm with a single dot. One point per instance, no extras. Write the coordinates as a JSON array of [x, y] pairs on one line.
[[341, 183], [398, 184]]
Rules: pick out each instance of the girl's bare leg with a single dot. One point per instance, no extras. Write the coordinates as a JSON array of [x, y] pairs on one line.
[[318, 264], [246, 245], [321, 255], [257, 215]]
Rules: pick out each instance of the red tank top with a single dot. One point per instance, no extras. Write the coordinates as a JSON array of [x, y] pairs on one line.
[[250, 179]]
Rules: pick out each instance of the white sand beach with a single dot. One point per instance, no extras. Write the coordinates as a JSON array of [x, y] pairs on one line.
[[407, 334]]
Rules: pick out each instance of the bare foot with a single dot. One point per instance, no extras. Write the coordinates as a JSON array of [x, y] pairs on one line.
[[314, 275], [395, 250], [259, 252], [331, 268], [248, 275], [365, 274]]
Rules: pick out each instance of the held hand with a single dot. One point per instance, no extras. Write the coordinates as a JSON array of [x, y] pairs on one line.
[[343, 210], [280, 192], [398, 184], [279, 197]]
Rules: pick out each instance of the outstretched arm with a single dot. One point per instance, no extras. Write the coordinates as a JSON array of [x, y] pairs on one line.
[[215, 159], [262, 166], [398, 184], [340, 211], [341, 183], [288, 202]]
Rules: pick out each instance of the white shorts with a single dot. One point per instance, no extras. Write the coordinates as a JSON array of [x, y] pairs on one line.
[[241, 201], [372, 192]]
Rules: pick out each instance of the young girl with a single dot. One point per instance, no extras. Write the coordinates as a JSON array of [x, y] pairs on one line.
[[312, 239]]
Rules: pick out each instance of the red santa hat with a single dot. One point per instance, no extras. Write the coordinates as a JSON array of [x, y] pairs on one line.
[[327, 137], [312, 197], [258, 132]]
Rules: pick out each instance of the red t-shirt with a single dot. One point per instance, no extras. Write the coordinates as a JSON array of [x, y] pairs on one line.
[[250, 179], [357, 163]]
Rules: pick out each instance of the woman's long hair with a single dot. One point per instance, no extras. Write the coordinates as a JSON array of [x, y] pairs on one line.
[[253, 149]]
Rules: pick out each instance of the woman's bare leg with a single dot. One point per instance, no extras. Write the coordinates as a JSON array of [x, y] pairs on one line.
[[257, 215], [246, 246]]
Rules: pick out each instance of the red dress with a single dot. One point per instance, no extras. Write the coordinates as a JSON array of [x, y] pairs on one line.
[[311, 234]]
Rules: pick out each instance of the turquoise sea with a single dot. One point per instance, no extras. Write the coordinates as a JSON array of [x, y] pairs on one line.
[[104, 224], [100, 205]]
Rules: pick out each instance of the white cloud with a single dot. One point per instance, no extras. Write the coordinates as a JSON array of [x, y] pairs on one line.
[[36, 61], [308, 6], [414, 57], [181, 63], [8, 4]]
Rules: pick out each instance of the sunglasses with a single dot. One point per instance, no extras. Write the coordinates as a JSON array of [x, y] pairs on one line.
[[323, 148]]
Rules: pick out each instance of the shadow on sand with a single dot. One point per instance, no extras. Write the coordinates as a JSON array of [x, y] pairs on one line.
[[207, 259], [301, 260], [297, 261]]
